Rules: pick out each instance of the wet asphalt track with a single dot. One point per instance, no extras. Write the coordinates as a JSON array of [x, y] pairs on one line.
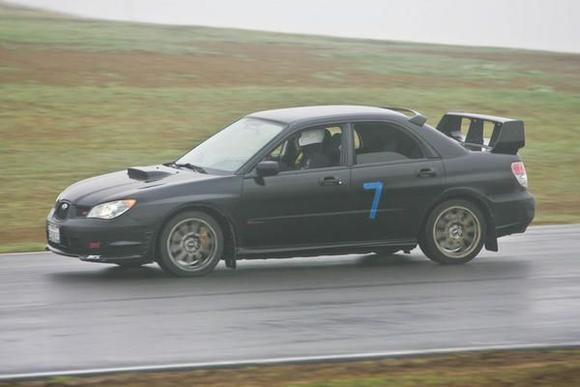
[[57, 313]]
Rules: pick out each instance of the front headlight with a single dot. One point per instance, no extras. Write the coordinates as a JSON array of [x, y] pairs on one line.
[[111, 210]]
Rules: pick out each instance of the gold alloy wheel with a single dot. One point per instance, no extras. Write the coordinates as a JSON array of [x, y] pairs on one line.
[[456, 232], [191, 244]]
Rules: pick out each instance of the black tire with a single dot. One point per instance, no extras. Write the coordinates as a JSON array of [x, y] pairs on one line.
[[181, 230], [454, 232]]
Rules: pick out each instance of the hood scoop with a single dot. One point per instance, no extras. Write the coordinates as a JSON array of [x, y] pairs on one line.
[[149, 173]]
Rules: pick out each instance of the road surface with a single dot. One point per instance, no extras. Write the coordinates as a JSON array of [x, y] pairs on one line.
[[57, 313]]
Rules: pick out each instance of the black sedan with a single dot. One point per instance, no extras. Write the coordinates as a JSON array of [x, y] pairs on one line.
[[307, 181]]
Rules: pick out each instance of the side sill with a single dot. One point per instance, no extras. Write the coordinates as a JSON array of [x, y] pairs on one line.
[[312, 250]]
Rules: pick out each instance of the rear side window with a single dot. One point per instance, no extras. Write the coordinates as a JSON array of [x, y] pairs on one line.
[[376, 142]]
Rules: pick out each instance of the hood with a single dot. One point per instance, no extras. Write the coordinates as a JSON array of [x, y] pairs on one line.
[[127, 184]]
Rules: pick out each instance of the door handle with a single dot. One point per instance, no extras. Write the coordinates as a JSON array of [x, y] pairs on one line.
[[331, 180], [426, 172]]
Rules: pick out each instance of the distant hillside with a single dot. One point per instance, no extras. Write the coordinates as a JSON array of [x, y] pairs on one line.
[[80, 97]]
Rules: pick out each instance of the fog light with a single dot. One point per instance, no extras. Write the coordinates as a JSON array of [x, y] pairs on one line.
[[94, 245]]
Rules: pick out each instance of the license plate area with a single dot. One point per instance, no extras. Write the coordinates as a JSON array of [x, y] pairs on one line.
[[53, 233]]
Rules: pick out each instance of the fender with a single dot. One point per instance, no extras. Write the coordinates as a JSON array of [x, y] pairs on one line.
[[231, 239]]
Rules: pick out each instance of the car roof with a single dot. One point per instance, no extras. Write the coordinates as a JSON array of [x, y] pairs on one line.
[[314, 113]]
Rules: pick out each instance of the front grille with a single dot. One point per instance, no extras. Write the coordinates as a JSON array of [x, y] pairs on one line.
[[62, 209]]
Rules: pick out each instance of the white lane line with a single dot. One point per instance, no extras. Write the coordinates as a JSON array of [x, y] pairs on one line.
[[286, 360]]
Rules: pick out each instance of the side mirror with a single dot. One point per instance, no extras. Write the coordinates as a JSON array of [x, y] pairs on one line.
[[267, 168]]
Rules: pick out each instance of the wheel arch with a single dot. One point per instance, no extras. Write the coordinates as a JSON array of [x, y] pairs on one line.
[[223, 220], [477, 199]]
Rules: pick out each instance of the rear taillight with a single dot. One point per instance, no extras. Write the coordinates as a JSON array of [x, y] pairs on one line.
[[519, 171]]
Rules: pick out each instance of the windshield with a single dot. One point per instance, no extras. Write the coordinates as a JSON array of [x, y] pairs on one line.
[[230, 148]]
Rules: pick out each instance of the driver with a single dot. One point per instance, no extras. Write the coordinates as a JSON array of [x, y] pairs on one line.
[[312, 144]]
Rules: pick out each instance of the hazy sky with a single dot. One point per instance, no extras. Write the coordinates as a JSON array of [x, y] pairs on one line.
[[537, 24]]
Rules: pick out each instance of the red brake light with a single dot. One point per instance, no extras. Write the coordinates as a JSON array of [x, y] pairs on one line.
[[519, 171]]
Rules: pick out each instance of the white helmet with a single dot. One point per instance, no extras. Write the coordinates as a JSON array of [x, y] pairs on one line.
[[309, 137]]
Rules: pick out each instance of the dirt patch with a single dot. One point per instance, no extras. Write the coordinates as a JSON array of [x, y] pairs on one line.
[[230, 65], [219, 65], [560, 70]]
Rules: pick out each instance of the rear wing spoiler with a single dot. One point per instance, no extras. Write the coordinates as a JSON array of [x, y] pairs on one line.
[[507, 137]]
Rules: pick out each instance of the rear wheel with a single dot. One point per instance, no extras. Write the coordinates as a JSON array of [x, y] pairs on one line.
[[454, 232], [191, 244]]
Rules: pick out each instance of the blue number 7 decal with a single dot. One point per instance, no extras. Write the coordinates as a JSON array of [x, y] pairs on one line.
[[378, 187]]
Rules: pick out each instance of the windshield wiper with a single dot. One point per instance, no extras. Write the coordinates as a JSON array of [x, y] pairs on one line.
[[195, 168]]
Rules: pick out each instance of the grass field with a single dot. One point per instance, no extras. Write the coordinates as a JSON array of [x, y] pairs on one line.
[[82, 97], [551, 368]]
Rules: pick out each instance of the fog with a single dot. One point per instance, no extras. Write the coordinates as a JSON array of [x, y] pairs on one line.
[[533, 24]]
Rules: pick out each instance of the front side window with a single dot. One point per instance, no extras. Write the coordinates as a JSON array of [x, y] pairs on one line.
[[233, 146], [312, 148], [376, 142]]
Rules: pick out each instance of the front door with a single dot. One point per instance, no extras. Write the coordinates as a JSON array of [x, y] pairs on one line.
[[308, 202]]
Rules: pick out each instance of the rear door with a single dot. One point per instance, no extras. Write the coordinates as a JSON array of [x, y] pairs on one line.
[[393, 182]]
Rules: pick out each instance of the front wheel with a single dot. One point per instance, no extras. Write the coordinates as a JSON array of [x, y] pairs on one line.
[[454, 232], [191, 244]]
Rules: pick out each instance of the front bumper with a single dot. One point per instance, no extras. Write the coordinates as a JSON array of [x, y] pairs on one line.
[[96, 240], [99, 258]]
